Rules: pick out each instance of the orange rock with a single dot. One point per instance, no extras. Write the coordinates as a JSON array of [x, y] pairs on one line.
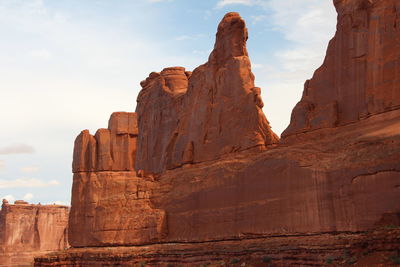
[[28, 230], [159, 108], [112, 149], [360, 75], [341, 176], [114, 208], [216, 110], [84, 152], [110, 204]]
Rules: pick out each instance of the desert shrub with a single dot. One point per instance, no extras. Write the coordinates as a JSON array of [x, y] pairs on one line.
[[266, 259], [235, 261], [395, 259]]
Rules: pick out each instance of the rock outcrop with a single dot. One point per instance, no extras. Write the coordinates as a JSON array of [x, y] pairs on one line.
[[195, 117], [112, 149], [191, 200], [360, 76], [28, 230], [110, 204]]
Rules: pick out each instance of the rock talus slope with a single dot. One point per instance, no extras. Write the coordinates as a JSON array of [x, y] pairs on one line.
[[198, 194], [28, 230]]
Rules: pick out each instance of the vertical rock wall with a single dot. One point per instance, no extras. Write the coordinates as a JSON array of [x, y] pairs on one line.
[[110, 204], [360, 75]]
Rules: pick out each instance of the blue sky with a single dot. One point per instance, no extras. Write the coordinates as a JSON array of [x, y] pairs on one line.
[[66, 65]]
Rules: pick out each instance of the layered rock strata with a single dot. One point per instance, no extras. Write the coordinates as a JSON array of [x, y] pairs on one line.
[[336, 171], [28, 230], [368, 249], [195, 117]]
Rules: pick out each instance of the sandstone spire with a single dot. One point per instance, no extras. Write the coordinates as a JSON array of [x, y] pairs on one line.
[[193, 117]]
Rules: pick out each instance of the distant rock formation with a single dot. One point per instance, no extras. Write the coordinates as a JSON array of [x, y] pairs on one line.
[[28, 230], [194, 117], [212, 181]]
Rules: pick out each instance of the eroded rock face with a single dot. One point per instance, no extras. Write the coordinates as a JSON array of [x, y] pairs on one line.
[[360, 75], [111, 149], [114, 208], [341, 176], [200, 116], [110, 204], [159, 109], [28, 230]]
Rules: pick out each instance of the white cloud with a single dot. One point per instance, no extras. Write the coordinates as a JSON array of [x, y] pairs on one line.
[[27, 182], [41, 54], [17, 149], [256, 66], [28, 196], [10, 198], [158, 1], [30, 169], [2, 165], [224, 3], [259, 18], [307, 25]]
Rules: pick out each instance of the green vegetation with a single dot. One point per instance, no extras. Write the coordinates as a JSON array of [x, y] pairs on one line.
[[390, 227], [330, 260], [266, 259], [351, 260], [235, 261], [395, 259]]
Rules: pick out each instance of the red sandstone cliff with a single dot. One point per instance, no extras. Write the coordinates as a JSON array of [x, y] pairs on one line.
[[360, 75], [110, 204], [335, 173], [28, 230]]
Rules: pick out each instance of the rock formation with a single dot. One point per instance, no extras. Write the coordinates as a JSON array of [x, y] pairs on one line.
[[360, 75], [327, 192], [112, 149], [110, 204], [195, 117], [28, 230]]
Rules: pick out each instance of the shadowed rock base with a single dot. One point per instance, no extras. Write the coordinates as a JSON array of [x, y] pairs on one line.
[[325, 249]]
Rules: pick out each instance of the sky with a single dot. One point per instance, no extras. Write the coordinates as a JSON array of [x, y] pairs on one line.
[[66, 65]]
